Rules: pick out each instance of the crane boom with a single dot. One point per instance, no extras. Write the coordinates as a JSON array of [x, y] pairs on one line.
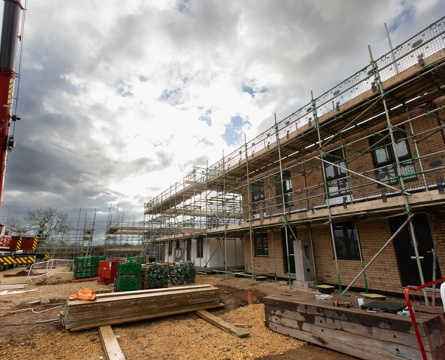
[[10, 34]]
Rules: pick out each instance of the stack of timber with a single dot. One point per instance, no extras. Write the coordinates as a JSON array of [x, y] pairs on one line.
[[353, 331], [124, 307]]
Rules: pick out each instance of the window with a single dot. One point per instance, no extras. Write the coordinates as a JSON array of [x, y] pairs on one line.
[[170, 248], [261, 243], [346, 241], [257, 198], [337, 181], [385, 157], [284, 189], [200, 248]]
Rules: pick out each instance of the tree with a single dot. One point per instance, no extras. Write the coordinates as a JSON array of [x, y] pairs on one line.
[[17, 227], [47, 224]]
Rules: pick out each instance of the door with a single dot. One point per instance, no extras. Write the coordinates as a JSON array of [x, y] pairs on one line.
[[405, 250], [188, 250], [289, 267]]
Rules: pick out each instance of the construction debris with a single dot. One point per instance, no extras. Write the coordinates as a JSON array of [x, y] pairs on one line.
[[7, 292], [11, 286], [129, 306], [24, 273]]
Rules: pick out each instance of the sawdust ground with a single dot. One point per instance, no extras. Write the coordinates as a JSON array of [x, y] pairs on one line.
[[30, 329]]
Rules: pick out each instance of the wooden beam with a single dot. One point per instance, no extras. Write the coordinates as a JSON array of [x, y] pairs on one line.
[[222, 324], [129, 306], [110, 344]]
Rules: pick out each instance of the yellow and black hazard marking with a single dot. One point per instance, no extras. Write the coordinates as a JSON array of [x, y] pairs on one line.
[[34, 243], [25, 259], [7, 260], [17, 260], [19, 243], [42, 256]]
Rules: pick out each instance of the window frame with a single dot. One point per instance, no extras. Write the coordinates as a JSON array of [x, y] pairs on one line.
[[350, 252], [261, 243], [257, 197], [338, 183], [386, 170], [285, 188]]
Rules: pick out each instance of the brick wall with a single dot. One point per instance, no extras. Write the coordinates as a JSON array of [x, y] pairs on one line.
[[307, 180]]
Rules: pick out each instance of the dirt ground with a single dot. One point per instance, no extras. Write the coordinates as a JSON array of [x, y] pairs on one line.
[[30, 326]]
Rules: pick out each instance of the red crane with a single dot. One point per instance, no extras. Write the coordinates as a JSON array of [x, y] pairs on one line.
[[12, 11]]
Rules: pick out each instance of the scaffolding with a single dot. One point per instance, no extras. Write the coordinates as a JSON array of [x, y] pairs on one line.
[[70, 240], [308, 168]]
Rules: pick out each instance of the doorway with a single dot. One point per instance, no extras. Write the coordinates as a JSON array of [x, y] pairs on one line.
[[289, 267], [188, 250], [406, 256]]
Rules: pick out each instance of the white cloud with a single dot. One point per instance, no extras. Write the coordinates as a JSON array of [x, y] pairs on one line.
[[120, 100]]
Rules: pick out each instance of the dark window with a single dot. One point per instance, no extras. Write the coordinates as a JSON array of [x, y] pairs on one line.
[[337, 181], [261, 243], [257, 197], [200, 248], [385, 157], [170, 247], [284, 189], [346, 241]]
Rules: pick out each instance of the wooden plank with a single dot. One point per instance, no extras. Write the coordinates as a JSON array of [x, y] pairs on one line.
[[110, 344], [11, 286], [308, 307], [117, 321], [360, 349], [394, 341], [350, 330], [373, 296], [153, 298], [372, 332], [133, 293], [222, 324], [119, 309], [85, 279], [141, 305]]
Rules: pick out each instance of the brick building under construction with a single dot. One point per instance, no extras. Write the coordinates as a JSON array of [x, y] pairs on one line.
[[348, 190]]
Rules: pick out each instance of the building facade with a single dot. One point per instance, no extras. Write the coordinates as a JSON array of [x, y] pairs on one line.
[[348, 190]]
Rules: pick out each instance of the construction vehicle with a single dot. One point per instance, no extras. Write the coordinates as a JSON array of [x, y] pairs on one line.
[[18, 250], [13, 249]]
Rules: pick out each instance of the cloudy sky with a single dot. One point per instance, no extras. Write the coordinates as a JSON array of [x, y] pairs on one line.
[[119, 99]]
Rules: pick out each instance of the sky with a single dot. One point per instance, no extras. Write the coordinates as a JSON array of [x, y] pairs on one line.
[[118, 100]]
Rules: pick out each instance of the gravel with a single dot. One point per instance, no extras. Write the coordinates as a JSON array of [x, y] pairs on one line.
[[175, 337]]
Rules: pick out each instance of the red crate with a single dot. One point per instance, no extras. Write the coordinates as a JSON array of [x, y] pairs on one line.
[[108, 269]]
